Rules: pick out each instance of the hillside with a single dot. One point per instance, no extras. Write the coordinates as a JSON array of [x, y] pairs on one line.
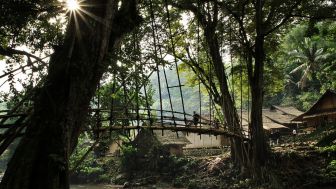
[[190, 94]]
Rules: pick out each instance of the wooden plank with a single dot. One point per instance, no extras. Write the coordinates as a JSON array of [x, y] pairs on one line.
[[173, 128]]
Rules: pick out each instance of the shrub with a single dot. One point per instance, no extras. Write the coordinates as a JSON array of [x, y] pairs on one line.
[[129, 158]]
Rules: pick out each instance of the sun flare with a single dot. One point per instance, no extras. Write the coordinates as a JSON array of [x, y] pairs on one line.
[[72, 5]]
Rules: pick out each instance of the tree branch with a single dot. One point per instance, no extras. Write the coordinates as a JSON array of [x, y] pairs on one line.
[[7, 51], [200, 73], [285, 19]]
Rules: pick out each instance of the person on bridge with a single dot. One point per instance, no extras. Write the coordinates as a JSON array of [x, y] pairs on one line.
[[196, 118], [216, 123]]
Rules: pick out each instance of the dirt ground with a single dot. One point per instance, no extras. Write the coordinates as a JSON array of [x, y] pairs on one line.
[[299, 165]]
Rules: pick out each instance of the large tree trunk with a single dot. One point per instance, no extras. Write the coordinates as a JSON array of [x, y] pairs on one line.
[[209, 25], [61, 105], [259, 146], [257, 82], [257, 132], [226, 101]]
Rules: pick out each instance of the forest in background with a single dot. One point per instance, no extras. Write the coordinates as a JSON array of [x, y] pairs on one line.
[[117, 56], [297, 72]]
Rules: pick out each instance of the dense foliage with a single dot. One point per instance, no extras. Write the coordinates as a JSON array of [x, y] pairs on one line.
[[272, 52], [308, 63]]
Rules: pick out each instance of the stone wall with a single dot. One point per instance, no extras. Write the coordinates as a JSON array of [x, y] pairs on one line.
[[198, 152]]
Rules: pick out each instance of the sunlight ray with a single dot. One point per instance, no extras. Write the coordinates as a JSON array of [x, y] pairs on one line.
[[93, 16], [84, 20], [78, 34]]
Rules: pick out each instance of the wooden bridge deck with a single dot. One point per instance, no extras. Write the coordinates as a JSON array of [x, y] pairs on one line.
[[12, 125], [188, 129]]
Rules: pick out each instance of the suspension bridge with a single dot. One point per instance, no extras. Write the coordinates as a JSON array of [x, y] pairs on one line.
[[13, 122], [12, 125]]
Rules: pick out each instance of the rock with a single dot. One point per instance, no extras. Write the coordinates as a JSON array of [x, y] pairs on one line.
[[126, 185], [215, 165], [120, 176]]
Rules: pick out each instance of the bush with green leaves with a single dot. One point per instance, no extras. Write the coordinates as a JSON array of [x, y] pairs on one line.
[[88, 170], [332, 168], [329, 150], [129, 160]]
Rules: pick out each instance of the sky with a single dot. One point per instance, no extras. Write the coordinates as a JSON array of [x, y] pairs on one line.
[[4, 86]]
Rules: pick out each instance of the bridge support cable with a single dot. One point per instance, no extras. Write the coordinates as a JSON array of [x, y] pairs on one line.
[[156, 55], [248, 102], [211, 103], [175, 59], [232, 75], [13, 132], [136, 70], [143, 75], [126, 121], [164, 71], [146, 99], [241, 94], [81, 160], [97, 116], [199, 64], [112, 101], [16, 129], [215, 125], [26, 97], [219, 112]]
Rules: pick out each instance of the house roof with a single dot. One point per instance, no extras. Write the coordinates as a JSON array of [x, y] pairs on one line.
[[289, 110], [268, 124], [146, 137], [325, 105], [272, 119], [278, 116]]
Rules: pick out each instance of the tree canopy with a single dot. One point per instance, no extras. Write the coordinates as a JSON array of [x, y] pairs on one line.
[[242, 53]]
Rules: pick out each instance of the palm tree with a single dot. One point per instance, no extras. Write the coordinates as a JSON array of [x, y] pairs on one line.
[[309, 57]]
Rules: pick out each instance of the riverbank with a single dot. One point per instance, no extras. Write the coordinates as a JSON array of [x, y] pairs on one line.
[[301, 164], [294, 167]]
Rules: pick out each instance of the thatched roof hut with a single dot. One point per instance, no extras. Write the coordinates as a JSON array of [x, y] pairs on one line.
[[287, 110], [169, 142], [275, 117], [282, 115], [268, 124], [323, 111]]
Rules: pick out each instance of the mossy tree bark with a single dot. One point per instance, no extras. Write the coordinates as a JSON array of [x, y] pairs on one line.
[[61, 104], [225, 100], [256, 78], [209, 23]]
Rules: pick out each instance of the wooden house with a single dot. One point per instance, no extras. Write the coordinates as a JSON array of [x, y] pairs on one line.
[[165, 142], [206, 141], [283, 115], [275, 118], [114, 148], [321, 113]]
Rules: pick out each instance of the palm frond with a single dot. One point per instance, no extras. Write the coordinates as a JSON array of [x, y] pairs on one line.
[[299, 68]]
